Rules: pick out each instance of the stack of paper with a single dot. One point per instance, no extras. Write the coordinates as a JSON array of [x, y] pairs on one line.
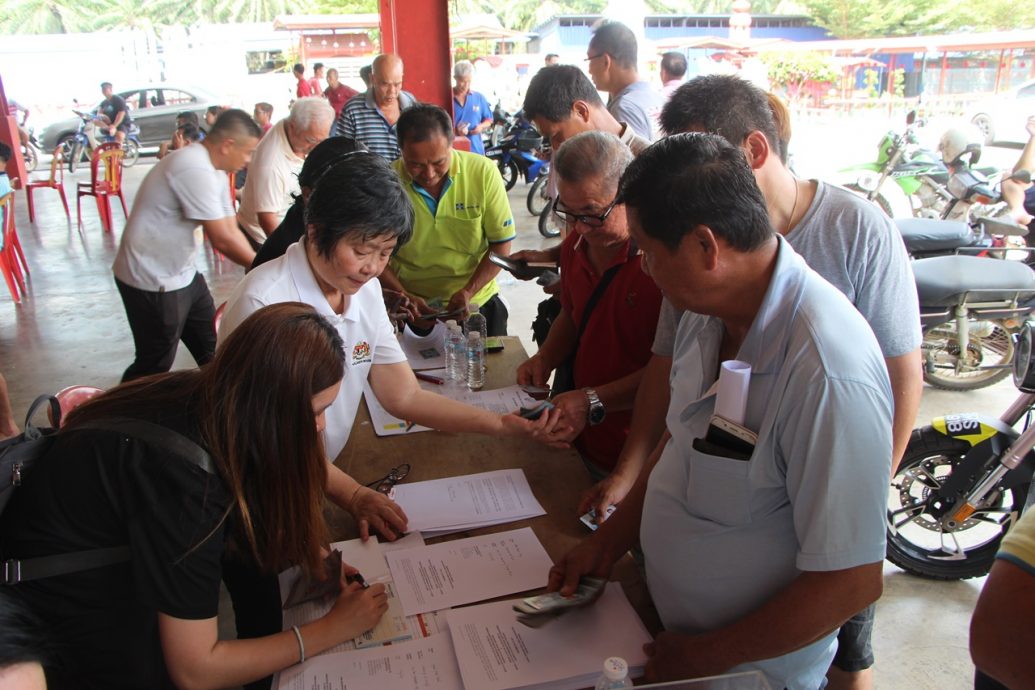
[[497, 401], [454, 573], [453, 504], [495, 652]]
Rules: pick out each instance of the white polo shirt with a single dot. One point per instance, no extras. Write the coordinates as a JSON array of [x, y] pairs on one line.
[[157, 249], [365, 328], [272, 180]]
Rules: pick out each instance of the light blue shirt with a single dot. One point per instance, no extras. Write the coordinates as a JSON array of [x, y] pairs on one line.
[[723, 536]]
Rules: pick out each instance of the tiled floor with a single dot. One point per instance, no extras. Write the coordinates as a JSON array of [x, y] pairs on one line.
[[71, 329]]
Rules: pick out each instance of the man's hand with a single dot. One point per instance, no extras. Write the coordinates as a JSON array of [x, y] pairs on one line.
[[533, 371], [543, 429], [374, 509], [574, 409], [606, 493], [459, 302], [587, 558], [673, 656]]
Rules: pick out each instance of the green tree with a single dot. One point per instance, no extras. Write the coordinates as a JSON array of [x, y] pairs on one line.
[[872, 18], [127, 14], [43, 17]]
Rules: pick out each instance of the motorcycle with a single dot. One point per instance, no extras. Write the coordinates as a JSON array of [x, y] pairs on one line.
[[963, 483], [80, 147], [970, 307], [516, 155], [502, 122], [31, 152]]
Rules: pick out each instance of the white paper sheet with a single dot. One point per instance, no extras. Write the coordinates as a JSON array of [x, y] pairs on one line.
[[468, 501], [425, 352], [496, 652], [497, 401], [428, 664], [431, 578], [731, 396]]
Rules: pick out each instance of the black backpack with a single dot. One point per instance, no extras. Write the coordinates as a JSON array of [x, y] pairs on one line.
[[19, 454]]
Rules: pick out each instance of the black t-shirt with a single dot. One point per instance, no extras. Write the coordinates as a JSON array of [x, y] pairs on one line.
[[290, 230], [111, 107], [96, 489]]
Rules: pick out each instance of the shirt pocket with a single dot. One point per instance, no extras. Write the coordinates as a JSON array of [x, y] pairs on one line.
[[461, 232], [719, 489]]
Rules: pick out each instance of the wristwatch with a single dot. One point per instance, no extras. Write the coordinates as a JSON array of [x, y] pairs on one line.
[[596, 408]]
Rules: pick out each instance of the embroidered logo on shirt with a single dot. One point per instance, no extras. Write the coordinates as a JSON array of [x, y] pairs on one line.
[[461, 206], [361, 353]]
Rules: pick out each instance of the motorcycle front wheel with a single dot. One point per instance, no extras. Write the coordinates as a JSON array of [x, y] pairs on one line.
[[509, 171], [917, 541], [549, 223], [537, 200], [131, 153], [991, 345], [76, 156], [879, 199]]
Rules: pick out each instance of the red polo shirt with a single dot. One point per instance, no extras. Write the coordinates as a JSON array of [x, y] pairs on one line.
[[337, 97], [617, 339]]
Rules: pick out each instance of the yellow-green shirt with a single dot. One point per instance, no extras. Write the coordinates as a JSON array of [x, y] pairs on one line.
[[1018, 545], [452, 235]]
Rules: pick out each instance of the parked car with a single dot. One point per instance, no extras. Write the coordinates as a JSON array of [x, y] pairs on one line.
[[1002, 118], [153, 109]]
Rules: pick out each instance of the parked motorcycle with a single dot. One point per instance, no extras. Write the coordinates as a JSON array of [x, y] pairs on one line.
[[92, 132], [516, 154], [970, 307], [962, 484]]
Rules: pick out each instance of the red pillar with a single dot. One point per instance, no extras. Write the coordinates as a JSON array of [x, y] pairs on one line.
[[9, 135], [418, 31]]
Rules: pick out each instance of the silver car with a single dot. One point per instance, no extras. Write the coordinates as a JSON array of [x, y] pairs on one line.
[[153, 109]]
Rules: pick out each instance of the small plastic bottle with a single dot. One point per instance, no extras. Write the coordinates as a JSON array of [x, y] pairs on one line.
[[615, 675], [452, 351], [475, 321], [475, 361]]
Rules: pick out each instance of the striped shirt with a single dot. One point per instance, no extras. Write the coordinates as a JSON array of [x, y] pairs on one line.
[[361, 120]]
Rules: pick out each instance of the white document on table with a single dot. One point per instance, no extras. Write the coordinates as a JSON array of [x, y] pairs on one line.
[[427, 351], [468, 501], [496, 652], [454, 573], [427, 664], [498, 401]]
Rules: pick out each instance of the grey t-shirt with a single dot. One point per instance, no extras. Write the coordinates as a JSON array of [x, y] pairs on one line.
[[857, 249], [638, 105]]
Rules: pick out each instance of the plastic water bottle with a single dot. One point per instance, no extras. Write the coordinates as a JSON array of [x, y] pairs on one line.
[[475, 361], [449, 352], [615, 675], [475, 321]]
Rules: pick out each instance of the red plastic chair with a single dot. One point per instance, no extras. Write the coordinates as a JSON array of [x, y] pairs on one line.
[[105, 182], [55, 181], [12, 259], [71, 398]]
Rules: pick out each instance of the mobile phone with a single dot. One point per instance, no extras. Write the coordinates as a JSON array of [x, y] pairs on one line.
[[536, 411], [588, 589], [723, 428], [522, 270], [494, 344], [590, 518]]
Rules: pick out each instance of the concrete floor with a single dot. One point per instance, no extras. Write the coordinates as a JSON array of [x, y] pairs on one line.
[[71, 329]]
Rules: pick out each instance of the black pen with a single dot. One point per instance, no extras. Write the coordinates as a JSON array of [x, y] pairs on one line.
[[349, 579]]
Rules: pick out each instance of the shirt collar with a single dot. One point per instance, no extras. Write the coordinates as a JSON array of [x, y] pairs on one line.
[[309, 290]]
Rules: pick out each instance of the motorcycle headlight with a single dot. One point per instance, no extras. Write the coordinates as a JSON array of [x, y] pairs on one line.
[[1023, 366], [868, 182]]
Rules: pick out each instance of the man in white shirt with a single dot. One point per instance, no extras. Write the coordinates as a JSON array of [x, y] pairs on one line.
[[166, 299], [273, 175]]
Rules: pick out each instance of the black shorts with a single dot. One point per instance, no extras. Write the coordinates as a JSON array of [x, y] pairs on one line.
[[854, 651]]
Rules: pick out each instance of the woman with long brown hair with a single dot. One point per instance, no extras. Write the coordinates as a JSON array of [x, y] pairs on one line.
[[257, 409]]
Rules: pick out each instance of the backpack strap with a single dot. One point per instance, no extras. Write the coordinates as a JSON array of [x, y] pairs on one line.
[[15, 570]]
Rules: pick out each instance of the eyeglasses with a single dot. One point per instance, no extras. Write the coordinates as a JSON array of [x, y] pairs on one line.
[[588, 221], [386, 483]]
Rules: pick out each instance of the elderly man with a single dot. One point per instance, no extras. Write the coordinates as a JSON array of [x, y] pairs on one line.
[[462, 214], [273, 175], [611, 62], [845, 239], [166, 298], [761, 537], [609, 307], [370, 117], [472, 113]]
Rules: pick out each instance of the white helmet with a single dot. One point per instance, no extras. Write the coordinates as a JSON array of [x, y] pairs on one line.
[[959, 141]]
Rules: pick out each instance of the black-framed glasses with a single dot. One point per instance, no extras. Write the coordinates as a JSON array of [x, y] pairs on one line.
[[386, 483], [589, 221]]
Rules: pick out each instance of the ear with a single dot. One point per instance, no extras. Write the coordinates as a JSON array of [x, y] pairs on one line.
[[580, 109], [706, 246], [756, 148]]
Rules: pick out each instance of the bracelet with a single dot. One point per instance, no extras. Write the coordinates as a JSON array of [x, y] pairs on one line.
[[301, 644]]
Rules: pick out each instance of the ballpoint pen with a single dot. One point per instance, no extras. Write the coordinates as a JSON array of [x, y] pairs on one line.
[[428, 377]]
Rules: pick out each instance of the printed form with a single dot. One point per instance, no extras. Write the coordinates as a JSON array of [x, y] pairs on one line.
[[454, 573], [497, 401], [415, 665], [468, 501]]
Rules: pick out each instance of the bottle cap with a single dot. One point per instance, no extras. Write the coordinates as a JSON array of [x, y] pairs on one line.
[[473, 307], [474, 335], [450, 323], [615, 668]]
